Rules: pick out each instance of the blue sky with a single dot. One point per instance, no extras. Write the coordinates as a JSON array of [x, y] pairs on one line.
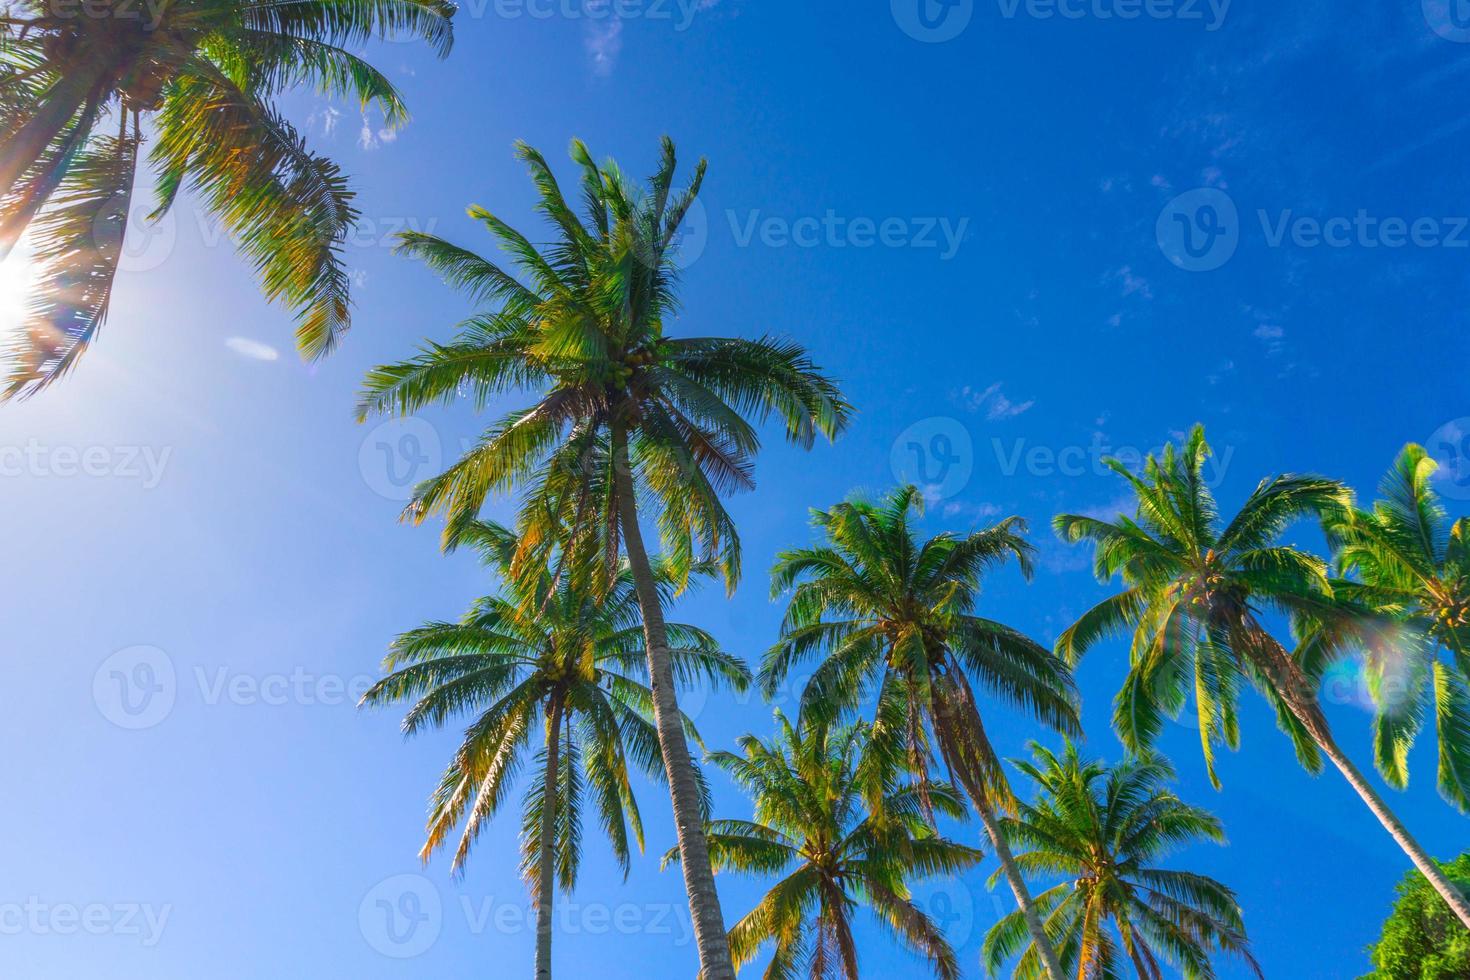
[[984, 237]]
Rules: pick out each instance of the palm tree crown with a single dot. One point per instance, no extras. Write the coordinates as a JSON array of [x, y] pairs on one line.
[[1196, 588], [543, 649], [1103, 830], [891, 614], [586, 331], [811, 827], [1412, 568], [206, 73]]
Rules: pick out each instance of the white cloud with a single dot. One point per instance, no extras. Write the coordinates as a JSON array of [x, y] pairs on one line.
[[603, 37], [252, 349], [994, 402]]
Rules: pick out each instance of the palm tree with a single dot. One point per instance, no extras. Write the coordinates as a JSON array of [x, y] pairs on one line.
[[621, 410], [1413, 572], [74, 84], [1102, 829], [886, 610], [1196, 588], [811, 827], [542, 650]]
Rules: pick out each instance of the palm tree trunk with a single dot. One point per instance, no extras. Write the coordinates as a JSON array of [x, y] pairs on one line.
[[546, 869], [1300, 697], [699, 880], [1018, 886], [58, 106], [1453, 897]]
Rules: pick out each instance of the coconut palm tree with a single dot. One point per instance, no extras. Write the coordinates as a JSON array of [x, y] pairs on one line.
[[1196, 588], [1102, 830], [542, 650], [75, 82], [811, 827], [891, 613], [1411, 568], [622, 413]]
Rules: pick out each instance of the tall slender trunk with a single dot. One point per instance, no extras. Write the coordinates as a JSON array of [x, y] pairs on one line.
[[699, 880], [1300, 697], [1453, 897], [58, 106], [1007, 861], [546, 867], [955, 708]]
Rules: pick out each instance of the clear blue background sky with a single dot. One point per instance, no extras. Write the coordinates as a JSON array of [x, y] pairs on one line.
[[267, 546]]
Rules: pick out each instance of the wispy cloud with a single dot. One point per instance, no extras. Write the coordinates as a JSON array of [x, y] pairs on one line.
[[993, 402], [371, 137], [603, 37], [252, 349]]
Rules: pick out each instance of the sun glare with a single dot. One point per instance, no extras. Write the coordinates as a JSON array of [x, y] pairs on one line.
[[16, 275]]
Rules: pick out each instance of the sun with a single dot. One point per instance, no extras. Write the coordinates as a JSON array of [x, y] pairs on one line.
[[17, 276]]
